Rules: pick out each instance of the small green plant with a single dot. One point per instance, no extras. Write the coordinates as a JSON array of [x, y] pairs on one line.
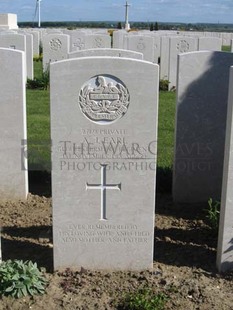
[[39, 83], [37, 58], [143, 300], [35, 84], [213, 213], [41, 49], [163, 85], [18, 279]]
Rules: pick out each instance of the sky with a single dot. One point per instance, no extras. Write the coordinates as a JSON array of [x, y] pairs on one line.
[[188, 11]]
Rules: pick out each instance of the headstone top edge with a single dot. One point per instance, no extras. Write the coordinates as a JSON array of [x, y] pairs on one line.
[[203, 52], [105, 49], [114, 58], [9, 50]]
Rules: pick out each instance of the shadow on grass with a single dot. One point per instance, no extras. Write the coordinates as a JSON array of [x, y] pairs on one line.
[[40, 183], [166, 206], [163, 180]]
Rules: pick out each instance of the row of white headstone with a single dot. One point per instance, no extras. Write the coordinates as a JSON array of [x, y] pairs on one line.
[[163, 49], [104, 133], [159, 47], [155, 48]]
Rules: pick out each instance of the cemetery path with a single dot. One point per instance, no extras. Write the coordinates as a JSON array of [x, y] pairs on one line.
[[184, 262]]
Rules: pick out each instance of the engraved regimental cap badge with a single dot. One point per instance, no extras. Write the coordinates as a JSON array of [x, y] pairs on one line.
[[104, 99]]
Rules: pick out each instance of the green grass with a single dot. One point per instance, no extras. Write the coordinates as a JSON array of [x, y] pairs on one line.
[[166, 129], [166, 125], [38, 69], [226, 48], [38, 123], [144, 299]]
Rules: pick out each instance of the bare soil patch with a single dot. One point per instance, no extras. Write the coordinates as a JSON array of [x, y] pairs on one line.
[[184, 261]]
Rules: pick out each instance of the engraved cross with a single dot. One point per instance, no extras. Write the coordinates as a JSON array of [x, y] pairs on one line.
[[103, 186]]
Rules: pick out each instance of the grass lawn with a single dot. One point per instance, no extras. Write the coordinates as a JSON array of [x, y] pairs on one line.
[[226, 48], [38, 70], [166, 128], [38, 123]]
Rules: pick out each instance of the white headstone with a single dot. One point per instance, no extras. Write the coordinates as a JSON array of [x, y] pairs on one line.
[[13, 164], [36, 42], [164, 58], [97, 41], [111, 52], [16, 42], [209, 44], [157, 49], [141, 44], [201, 112], [225, 238], [54, 31], [118, 38], [29, 55], [55, 47], [77, 40], [103, 182], [178, 45], [13, 40], [226, 38]]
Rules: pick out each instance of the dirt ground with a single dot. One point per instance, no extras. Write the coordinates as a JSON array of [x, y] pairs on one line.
[[184, 261]]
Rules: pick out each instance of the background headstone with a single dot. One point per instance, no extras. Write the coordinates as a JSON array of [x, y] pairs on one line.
[[141, 44], [164, 58], [231, 45], [225, 237], [29, 55], [13, 164], [55, 47], [97, 41], [226, 38], [77, 40], [201, 112], [118, 38], [177, 46], [209, 44], [16, 42], [36, 42], [111, 52], [157, 49], [103, 177]]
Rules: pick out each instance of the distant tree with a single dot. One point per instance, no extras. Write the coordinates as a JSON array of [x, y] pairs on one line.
[[151, 27], [119, 26], [156, 27]]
